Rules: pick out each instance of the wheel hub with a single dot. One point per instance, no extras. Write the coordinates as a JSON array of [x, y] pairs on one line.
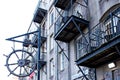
[[21, 63]]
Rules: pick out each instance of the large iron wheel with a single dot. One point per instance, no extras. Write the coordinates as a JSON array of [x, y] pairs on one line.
[[20, 63]]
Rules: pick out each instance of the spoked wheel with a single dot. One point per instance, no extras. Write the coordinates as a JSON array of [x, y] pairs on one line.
[[20, 63]]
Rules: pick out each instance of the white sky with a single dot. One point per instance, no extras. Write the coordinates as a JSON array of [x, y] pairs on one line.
[[15, 18]]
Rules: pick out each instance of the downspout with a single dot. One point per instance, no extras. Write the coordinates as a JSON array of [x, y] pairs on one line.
[[57, 63], [38, 57], [69, 63], [95, 74], [57, 59]]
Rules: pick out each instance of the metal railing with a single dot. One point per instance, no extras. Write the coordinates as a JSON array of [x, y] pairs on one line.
[[105, 31], [83, 46], [34, 36], [100, 34], [77, 9]]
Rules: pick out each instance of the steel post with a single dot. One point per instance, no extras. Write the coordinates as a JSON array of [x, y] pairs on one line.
[[38, 57]]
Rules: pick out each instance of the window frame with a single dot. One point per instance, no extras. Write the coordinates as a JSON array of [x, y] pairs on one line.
[[51, 18]]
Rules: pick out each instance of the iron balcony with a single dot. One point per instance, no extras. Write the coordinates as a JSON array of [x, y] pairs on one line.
[[103, 44], [43, 59], [63, 4], [69, 22], [40, 12], [43, 38]]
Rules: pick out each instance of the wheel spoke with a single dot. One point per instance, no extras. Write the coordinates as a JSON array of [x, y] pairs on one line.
[[13, 64], [22, 55], [26, 70], [27, 57], [20, 70], [16, 54], [14, 69], [9, 74]]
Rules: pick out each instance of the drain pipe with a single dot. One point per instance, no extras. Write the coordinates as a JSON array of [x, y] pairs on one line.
[[69, 63], [38, 57], [57, 59]]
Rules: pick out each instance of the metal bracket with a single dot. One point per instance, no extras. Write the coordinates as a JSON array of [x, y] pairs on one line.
[[12, 38]]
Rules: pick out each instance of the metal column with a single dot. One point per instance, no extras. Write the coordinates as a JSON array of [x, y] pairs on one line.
[[38, 57]]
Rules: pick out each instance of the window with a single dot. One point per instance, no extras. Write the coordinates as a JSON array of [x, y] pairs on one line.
[[51, 18], [82, 47], [51, 42], [51, 67], [108, 75], [61, 57], [116, 74], [112, 24], [112, 75]]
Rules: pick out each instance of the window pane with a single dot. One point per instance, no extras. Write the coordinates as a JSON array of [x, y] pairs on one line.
[[51, 42], [61, 60], [51, 18], [51, 67]]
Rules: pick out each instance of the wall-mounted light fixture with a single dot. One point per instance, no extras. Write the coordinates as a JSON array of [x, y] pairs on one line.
[[111, 65]]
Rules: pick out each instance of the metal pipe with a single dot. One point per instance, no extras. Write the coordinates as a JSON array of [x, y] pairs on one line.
[[38, 57], [57, 60], [21, 35], [69, 63]]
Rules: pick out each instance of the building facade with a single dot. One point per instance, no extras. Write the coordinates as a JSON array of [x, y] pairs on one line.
[[79, 40]]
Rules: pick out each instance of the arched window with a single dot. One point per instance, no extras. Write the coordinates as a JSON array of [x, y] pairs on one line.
[[111, 21]]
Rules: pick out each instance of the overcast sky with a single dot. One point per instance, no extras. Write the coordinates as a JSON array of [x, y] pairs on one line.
[[15, 18]]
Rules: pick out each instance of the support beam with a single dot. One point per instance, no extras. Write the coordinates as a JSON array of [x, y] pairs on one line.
[[83, 73], [62, 50], [21, 35], [26, 34], [58, 12], [117, 49], [80, 31]]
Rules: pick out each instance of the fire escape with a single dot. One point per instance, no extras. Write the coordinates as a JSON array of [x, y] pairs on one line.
[[72, 22], [38, 40], [104, 43]]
